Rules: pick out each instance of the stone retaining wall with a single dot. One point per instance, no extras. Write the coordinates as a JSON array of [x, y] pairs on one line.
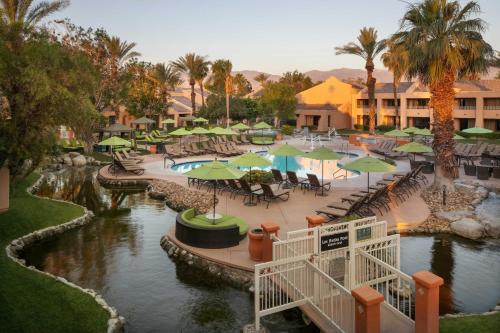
[[17, 246], [180, 198], [236, 277], [122, 182]]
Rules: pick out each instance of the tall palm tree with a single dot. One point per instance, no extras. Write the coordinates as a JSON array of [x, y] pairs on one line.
[[262, 78], [396, 60], [368, 47], [221, 70], [189, 65], [241, 86], [26, 13], [166, 78], [444, 42], [202, 70]]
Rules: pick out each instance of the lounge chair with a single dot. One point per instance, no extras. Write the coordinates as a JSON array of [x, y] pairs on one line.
[[295, 181], [131, 167], [221, 151], [248, 191], [232, 146], [234, 188], [271, 194], [128, 157], [208, 146], [314, 184], [244, 139], [121, 158], [277, 177], [336, 213], [235, 139]]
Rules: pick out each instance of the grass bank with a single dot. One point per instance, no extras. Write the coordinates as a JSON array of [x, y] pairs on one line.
[[31, 302], [471, 324]]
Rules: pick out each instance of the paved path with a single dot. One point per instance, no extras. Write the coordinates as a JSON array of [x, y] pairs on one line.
[[290, 215]]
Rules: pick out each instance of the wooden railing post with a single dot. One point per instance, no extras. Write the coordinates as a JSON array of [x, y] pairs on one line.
[[367, 309], [427, 302]]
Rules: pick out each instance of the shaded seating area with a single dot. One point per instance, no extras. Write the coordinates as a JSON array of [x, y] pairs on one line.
[[200, 231]]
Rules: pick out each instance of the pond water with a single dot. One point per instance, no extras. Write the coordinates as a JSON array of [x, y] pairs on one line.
[[301, 165], [119, 255]]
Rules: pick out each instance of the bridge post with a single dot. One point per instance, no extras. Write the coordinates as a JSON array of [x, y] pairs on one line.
[[427, 302], [367, 309], [267, 242]]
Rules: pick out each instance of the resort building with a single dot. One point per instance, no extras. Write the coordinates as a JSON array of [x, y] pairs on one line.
[[327, 105]]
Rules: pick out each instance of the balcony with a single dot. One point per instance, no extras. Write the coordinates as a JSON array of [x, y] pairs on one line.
[[465, 107], [417, 107], [491, 107]]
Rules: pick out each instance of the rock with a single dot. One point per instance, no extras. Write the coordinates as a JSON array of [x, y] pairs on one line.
[[454, 215], [79, 160], [488, 214], [73, 154], [67, 160], [468, 228]]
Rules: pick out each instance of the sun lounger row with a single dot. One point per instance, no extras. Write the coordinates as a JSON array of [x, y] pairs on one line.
[[471, 151], [386, 148], [127, 164], [390, 190], [310, 183]]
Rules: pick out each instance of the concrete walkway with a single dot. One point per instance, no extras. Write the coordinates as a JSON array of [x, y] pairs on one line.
[[290, 215]]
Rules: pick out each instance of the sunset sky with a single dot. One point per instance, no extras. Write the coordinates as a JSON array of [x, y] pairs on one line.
[[271, 36]]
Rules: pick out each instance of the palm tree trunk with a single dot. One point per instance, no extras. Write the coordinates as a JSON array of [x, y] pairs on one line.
[[442, 102], [227, 109], [193, 97], [370, 83], [200, 83], [396, 106]]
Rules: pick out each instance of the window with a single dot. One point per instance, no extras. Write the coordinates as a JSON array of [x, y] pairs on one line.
[[362, 103], [465, 103], [492, 103], [417, 103], [389, 103]]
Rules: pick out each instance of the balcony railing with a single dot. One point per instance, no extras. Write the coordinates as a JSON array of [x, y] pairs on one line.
[[419, 107], [491, 107], [465, 107]]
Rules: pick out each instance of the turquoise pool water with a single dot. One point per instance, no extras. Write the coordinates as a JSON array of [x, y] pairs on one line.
[[300, 165]]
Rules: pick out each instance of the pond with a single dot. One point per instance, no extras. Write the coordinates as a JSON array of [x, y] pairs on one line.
[[119, 255]]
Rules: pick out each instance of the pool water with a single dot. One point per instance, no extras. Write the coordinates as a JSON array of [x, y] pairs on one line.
[[301, 165]]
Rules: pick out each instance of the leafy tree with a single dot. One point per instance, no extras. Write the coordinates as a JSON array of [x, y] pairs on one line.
[[368, 47], [241, 108], [202, 70], [45, 85], [278, 100], [166, 78], [396, 60], [444, 42], [242, 86], [262, 79], [299, 81], [190, 65]]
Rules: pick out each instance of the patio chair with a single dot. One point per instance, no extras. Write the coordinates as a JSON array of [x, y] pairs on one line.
[[483, 172], [270, 194], [220, 151], [244, 139], [207, 146], [131, 167], [232, 146], [277, 177], [314, 184], [235, 190], [295, 181], [121, 158], [128, 157], [235, 139], [336, 213], [496, 172]]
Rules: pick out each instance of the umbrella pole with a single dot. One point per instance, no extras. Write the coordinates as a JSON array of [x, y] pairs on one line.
[[368, 183], [250, 180], [215, 198], [322, 181], [287, 183]]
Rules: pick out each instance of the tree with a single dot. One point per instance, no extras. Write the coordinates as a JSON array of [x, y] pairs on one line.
[[368, 47], [242, 86], [298, 81], [396, 60], [202, 70], [262, 79], [166, 79], [189, 64], [278, 100], [221, 73], [26, 14], [444, 42]]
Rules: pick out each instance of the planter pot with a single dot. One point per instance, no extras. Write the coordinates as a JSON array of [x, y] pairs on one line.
[[255, 237], [152, 149]]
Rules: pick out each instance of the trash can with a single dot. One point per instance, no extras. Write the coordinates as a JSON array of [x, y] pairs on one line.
[[255, 237]]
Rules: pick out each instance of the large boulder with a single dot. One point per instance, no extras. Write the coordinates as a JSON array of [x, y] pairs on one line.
[[468, 228], [454, 215], [79, 160], [73, 154], [67, 160], [488, 213]]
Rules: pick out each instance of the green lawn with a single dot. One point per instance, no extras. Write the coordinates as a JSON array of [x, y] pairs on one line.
[[31, 302], [471, 324]]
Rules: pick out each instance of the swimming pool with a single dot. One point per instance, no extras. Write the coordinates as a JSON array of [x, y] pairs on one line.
[[301, 165]]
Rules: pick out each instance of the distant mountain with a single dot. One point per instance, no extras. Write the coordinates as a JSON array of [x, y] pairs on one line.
[[381, 75], [250, 76]]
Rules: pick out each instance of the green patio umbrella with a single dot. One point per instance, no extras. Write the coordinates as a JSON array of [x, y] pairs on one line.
[[397, 134], [217, 131], [414, 147], [477, 130], [323, 154], [214, 171], [410, 130], [250, 160], [262, 126], [168, 121], [240, 126], [228, 131], [200, 131], [114, 141], [458, 137], [200, 120], [286, 150], [423, 132], [180, 132], [369, 164]]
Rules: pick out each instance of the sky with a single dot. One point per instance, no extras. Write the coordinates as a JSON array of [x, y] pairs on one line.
[[273, 36]]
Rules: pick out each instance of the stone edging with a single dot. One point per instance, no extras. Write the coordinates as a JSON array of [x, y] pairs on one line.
[[493, 311], [104, 181], [236, 277], [116, 322]]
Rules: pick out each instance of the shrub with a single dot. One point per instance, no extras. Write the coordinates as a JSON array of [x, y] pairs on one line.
[[385, 128], [259, 177], [287, 130], [361, 127]]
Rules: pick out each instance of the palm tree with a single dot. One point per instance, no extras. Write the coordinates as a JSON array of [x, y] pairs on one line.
[[27, 14], [221, 70], [262, 78], [241, 85], [396, 60], [166, 78], [368, 48], [189, 65], [202, 70], [444, 42]]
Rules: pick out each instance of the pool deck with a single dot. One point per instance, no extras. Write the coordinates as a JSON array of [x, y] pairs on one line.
[[290, 215]]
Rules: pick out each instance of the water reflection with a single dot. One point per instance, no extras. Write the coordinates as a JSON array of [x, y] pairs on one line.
[[470, 269]]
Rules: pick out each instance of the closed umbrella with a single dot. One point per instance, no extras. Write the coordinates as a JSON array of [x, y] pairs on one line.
[[369, 164], [323, 154], [250, 160], [180, 132], [458, 137], [214, 171], [114, 141], [286, 150], [414, 147]]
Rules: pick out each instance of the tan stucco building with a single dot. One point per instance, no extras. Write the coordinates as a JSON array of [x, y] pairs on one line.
[[327, 105]]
